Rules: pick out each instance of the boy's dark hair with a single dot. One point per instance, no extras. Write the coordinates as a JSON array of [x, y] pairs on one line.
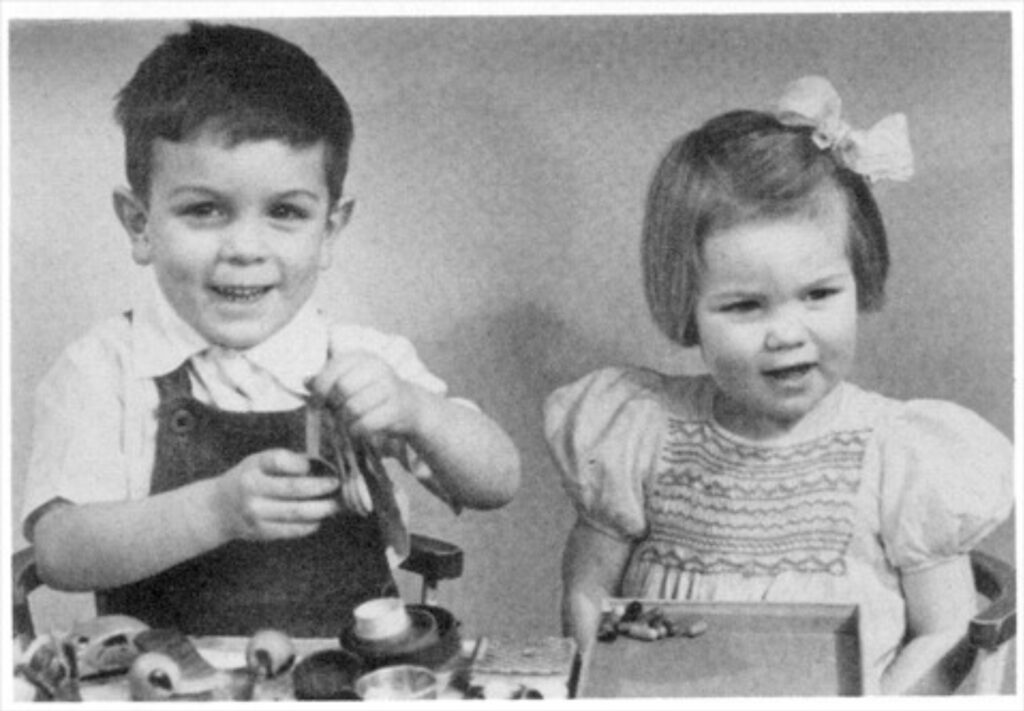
[[740, 167], [242, 82]]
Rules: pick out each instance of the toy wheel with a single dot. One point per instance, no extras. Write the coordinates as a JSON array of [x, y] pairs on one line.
[[153, 676], [269, 653]]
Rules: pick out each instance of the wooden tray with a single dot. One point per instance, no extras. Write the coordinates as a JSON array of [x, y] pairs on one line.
[[749, 649]]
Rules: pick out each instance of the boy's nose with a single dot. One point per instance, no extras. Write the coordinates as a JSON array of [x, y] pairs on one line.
[[243, 242]]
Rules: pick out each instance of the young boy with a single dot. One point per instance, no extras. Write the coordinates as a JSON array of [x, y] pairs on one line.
[[166, 471]]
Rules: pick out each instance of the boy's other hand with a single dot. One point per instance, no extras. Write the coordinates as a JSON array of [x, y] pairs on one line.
[[269, 495], [367, 395]]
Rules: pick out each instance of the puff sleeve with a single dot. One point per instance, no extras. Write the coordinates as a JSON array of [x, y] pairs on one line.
[[947, 482], [603, 432]]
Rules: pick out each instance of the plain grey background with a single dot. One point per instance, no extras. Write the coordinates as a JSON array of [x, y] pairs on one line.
[[499, 168]]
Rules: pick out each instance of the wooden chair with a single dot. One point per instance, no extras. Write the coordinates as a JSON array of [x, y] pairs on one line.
[[992, 631], [432, 559]]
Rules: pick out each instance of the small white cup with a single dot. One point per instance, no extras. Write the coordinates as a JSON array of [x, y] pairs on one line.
[[381, 618]]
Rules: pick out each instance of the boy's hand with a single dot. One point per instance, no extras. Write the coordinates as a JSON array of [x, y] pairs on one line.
[[268, 495], [367, 395]]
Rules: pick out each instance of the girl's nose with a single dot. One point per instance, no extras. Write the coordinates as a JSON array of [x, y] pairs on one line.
[[784, 332]]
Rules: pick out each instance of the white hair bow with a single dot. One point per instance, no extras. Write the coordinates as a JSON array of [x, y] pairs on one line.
[[879, 153]]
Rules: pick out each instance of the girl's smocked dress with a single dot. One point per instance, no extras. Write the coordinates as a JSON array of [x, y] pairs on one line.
[[881, 486]]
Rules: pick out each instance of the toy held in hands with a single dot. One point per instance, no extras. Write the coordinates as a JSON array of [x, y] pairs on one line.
[[365, 487]]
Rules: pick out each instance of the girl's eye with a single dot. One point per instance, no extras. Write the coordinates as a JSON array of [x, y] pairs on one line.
[[740, 307], [287, 211]]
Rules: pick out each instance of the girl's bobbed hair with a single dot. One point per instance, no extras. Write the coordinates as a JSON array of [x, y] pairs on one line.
[[740, 167]]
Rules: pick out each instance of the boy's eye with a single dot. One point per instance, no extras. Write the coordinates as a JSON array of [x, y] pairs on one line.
[[822, 293], [201, 210], [288, 211]]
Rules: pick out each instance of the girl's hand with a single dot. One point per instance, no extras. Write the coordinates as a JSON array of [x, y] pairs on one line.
[[268, 495], [367, 395]]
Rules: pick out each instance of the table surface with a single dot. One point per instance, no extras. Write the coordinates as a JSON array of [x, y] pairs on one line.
[[757, 649], [502, 665]]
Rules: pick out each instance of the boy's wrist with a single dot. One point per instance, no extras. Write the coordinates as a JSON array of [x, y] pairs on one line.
[[206, 513]]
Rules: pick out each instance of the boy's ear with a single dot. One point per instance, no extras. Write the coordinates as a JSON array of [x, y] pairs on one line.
[[338, 217], [132, 213]]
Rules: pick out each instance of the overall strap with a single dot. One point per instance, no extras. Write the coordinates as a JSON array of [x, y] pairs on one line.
[[306, 586]]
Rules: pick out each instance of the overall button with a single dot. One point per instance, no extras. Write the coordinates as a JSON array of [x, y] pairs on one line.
[[182, 421]]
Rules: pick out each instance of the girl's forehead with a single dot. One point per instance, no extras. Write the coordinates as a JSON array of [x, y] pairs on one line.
[[798, 244]]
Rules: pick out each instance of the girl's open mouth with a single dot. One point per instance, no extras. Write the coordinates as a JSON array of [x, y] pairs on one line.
[[240, 294], [793, 372]]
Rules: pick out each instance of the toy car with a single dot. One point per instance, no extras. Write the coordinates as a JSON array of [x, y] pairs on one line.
[[105, 644]]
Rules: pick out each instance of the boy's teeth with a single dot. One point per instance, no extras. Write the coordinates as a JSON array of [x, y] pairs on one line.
[[240, 292]]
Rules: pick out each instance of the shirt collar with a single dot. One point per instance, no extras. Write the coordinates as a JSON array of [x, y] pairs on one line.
[[296, 352], [162, 341]]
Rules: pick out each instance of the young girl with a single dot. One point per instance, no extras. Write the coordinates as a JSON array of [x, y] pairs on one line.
[[771, 478]]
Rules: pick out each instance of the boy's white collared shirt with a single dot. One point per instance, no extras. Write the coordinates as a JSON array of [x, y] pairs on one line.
[[265, 378], [95, 425]]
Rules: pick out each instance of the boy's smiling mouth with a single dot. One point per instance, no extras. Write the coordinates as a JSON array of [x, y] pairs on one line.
[[240, 294]]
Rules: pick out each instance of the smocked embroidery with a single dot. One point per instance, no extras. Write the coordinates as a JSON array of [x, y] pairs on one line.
[[733, 507]]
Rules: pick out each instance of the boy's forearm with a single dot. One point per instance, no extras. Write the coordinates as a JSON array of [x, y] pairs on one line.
[[101, 545], [472, 457]]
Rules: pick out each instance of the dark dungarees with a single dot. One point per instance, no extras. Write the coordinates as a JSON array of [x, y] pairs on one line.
[[305, 586]]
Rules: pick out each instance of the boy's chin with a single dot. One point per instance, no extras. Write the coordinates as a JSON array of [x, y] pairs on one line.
[[238, 339]]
